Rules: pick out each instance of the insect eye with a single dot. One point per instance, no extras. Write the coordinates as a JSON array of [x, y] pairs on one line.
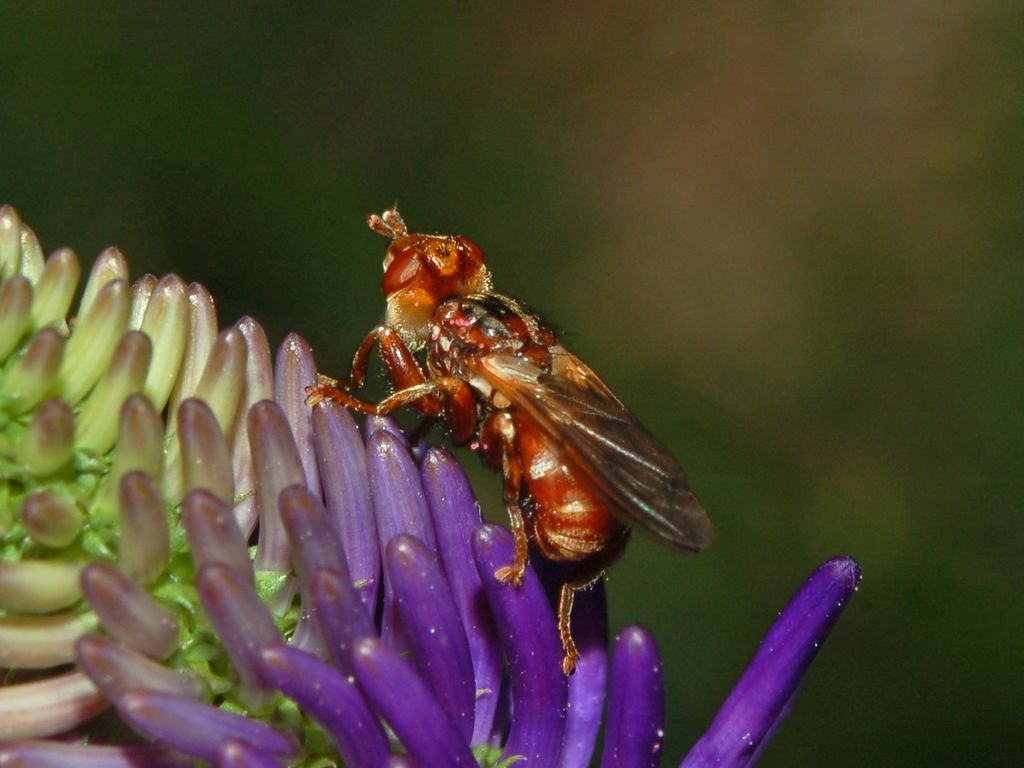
[[469, 250], [401, 270], [394, 250]]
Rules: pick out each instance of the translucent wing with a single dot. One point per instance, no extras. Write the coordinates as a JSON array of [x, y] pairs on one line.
[[646, 486]]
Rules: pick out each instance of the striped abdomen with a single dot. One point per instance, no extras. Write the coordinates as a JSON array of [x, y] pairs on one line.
[[566, 518]]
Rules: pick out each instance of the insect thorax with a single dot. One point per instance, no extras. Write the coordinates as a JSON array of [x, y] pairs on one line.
[[470, 328]]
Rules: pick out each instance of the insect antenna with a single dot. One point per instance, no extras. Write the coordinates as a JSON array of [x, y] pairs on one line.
[[389, 223]]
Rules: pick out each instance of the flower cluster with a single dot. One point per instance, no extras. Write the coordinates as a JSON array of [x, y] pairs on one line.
[[196, 566]]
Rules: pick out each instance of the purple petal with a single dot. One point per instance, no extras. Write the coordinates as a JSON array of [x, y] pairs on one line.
[[407, 704], [259, 379], [205, 456], [115, 670], [213, 533], [259, 385], [375, 424], [397, 493], [432, 622], [340, 614], [752, 710], [144, 547], [307, 635], [197, 729], [242, 621], [295, 370], [237, 754], [588, 683], [331, 699], [636, 707], [312, 546], [54, 754], [456, 516], [310, 540], [399, 507], [783, 714], [347, 492], [276, 463], [526, 625], [128, 612]]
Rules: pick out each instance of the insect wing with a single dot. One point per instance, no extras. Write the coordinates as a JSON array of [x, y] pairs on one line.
[[646, 486]]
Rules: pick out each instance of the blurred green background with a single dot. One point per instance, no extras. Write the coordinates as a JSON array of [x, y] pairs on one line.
[[789, 237]]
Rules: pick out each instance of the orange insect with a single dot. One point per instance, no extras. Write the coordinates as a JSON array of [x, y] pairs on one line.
[[578, 468]]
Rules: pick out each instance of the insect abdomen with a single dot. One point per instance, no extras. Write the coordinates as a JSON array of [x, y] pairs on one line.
[[569, 519]]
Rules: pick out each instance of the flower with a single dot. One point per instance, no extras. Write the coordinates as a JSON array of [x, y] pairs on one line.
[[196, 565]]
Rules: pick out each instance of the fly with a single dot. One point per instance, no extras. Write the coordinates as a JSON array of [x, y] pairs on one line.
[[579, 471]]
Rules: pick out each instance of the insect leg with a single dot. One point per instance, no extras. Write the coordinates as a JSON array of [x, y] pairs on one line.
[[459, 414], [590, 571], [402, 369], [412, 387], [512, 472], [458, 406], [412, 395]]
